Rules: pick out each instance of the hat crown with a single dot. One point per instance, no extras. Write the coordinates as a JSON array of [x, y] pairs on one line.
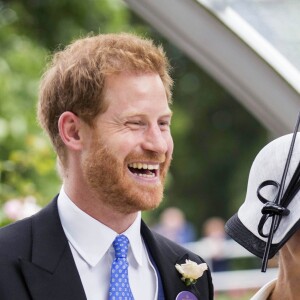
[[269, 165]]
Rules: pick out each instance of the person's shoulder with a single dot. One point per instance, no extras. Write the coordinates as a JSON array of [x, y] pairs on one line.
[[15, 239], [14, 230], [20, 232]]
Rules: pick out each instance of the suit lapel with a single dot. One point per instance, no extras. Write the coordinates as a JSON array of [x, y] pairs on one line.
[[165, 262], [51, 273]]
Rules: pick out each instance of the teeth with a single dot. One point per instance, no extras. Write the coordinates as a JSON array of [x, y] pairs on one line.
[[144, 166], [145, 175]]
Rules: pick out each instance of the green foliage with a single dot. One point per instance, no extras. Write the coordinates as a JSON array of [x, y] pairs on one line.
[[238, 295], [29, 30], [27, 163], [54, 23]]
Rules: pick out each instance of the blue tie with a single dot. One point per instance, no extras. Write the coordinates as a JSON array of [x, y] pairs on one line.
[[119, 288]]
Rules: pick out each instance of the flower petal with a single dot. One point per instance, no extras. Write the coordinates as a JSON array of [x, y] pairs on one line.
[[191, 270]]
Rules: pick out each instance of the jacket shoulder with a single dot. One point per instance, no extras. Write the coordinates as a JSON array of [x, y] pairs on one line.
[[15, 239]]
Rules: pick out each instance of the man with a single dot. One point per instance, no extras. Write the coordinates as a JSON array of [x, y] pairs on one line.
[[104, 102]]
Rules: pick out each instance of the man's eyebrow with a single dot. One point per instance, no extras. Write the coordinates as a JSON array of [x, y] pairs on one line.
[[167, 115]]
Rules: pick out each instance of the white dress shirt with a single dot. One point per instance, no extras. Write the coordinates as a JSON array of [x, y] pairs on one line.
[[91, 245]]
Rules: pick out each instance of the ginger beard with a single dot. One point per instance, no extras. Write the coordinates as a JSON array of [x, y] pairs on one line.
[[109, 177]]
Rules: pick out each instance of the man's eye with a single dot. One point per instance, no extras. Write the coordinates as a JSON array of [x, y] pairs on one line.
[[135, 124], [164, 124]]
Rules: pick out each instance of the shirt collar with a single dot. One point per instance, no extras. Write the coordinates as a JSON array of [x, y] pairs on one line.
[[91, 238]]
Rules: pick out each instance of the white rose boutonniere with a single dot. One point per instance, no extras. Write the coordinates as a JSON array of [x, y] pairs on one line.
[[191, 271]]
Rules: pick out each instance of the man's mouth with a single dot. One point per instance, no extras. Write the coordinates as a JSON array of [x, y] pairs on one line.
[[144, 170]]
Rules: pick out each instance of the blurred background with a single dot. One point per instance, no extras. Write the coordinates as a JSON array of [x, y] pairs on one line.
[[235, 66]]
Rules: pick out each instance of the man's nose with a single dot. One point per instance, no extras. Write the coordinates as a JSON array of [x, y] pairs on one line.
[[155, 140]]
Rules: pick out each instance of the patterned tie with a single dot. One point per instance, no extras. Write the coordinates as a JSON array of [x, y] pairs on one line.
[[119, 288]]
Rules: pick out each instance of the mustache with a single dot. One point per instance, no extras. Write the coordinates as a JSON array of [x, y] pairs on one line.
[[146, 156]]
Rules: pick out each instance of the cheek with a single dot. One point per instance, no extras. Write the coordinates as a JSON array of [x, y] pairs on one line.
[[123, 147]]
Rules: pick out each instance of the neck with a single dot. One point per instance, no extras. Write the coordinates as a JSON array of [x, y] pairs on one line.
[[287, 285], [95, 206]]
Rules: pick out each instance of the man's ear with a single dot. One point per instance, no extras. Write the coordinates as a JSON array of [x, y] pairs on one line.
[[69, 130]]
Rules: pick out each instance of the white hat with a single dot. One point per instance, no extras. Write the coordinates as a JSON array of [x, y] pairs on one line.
[[250, 226]]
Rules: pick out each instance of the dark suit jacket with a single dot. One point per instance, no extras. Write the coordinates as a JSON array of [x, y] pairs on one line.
[[36, 262]]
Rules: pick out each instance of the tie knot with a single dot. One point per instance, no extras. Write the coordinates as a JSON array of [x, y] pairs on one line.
[[120, 245]]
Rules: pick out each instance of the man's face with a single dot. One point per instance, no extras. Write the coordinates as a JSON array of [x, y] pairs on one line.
[[130, 149]]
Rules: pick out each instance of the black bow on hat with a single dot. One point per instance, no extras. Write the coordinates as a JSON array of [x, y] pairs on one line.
[[263, 224], [277, 208]]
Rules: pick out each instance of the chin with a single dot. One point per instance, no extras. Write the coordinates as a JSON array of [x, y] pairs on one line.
[[143, 200]]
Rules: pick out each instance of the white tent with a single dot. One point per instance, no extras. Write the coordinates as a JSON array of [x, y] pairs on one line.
[[221, 41]]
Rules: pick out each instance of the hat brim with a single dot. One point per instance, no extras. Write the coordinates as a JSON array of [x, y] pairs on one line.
[[237, 231]]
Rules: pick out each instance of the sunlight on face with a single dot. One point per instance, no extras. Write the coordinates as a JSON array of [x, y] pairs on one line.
[[132, 146]]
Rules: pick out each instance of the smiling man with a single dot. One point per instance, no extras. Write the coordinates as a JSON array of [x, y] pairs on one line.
[[104, 101]]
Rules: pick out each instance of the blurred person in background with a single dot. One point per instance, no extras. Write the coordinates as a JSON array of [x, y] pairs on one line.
[[173, 225], [215, 239], [104, 102], [274, 176]]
